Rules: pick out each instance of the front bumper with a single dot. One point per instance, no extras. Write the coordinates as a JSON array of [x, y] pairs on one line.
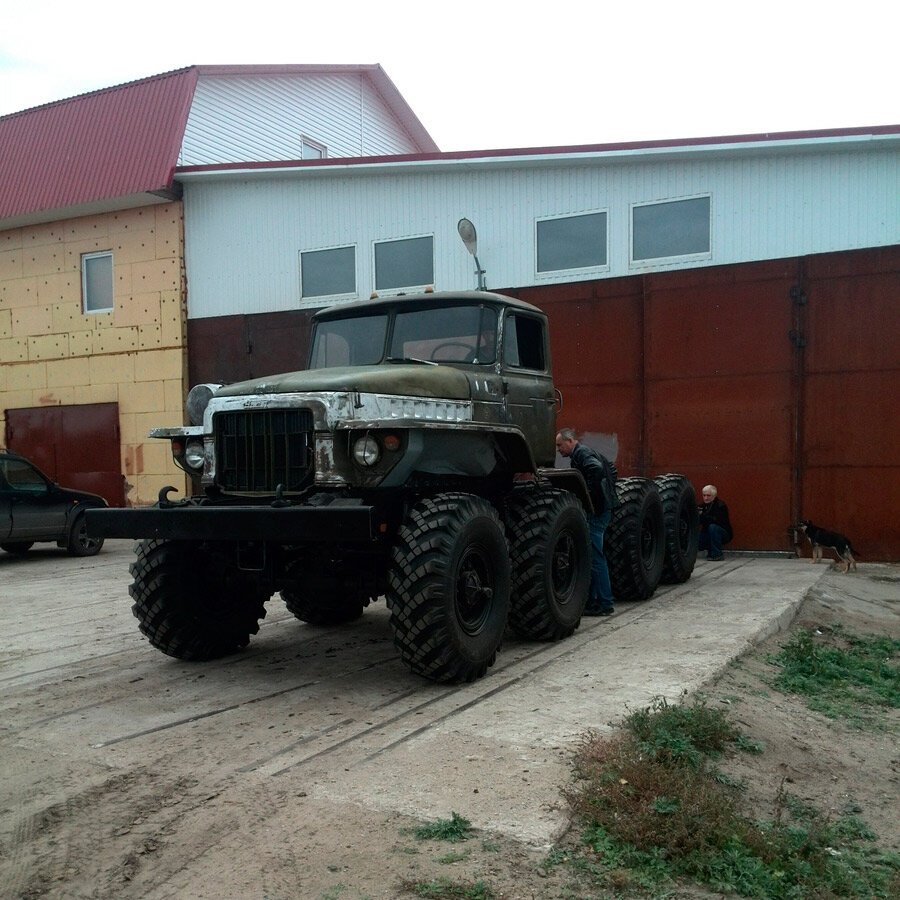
[[281, 525]]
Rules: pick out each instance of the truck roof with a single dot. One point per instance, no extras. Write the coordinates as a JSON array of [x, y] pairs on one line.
[[431, 298]]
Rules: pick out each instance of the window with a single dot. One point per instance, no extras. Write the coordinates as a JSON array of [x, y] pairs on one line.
[[312, 149], [406, 263], [328, 273], [665, 230], [349, 342], [523, 343], [97, 282], [22, 477], [571, 242], [466, 334]]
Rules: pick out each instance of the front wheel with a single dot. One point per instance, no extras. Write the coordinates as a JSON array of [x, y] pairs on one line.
[[80, 543], [190, 603], [550, 549], [448, 587]]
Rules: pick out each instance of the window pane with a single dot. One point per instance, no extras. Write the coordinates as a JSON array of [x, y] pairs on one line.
[[523, 343], [327, 272], [573, 242], [680, 228], [311, 151], [97, 282], [408, 263], [349, 342], [451, 334]]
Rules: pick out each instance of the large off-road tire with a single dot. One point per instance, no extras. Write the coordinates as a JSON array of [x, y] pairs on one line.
[[190, 603], [19, 548], [635, 541], [448, 587], [80, 543], [336, 612], [682, 520], [550, 550]]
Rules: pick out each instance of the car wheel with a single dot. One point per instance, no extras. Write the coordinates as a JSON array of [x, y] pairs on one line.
[[19, 548], [80, 543]]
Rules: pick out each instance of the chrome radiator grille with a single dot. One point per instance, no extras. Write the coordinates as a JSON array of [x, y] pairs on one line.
[[256, 450]]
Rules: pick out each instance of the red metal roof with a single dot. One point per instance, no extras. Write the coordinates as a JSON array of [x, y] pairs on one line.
[[113, 143]]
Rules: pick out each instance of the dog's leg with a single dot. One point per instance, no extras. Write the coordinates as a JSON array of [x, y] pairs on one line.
[[851, 562]]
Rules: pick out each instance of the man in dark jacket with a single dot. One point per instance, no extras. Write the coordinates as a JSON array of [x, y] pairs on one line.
[[715, 527], [600, 475]]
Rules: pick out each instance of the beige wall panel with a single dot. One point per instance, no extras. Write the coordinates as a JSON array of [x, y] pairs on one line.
[[20, 292], [75, 249], [40, 235], [17, 400], [10, 263], [75, 372], [150, 457], [128, 430], [139, 309], [32, 320], [131, 247], [67, 316], [27, 377], [149, 337], [43, 259], [143, 396], [81, 343], [13, 350], [172, 320], [132, 220], [158, 275], [166, 363], [114, 369], [64, 396], [87, 228], [11, 240], [5, 323], [116, 340], [61, 287], [52, 346], [146, 487], [168, 231], [176, 394], [145, 421]]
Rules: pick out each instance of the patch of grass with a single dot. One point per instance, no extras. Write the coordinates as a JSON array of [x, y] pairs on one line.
[[454, 829], [655, 810], [454, 856], [842, 675], [445, 889]]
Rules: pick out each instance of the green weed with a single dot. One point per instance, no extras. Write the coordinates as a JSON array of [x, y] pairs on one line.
[[454, 829], [445, 889], [842, 675]]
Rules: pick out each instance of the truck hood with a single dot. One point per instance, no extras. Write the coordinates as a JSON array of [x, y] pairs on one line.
[[399, 379]]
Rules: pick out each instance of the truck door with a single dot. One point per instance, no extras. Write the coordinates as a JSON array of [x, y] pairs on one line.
[[528, 384]]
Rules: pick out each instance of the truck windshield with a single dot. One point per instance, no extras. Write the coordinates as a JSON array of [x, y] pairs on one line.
[[349, 342], [465, 334]]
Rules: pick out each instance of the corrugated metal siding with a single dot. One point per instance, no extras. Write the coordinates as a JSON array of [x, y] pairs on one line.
[[245, 237], [263, 117], [111, 143]]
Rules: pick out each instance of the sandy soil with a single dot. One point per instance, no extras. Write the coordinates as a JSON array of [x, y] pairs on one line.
[[127, 775]]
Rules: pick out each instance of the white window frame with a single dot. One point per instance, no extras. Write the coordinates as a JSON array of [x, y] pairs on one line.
[[406, 288], [657, 261], [315, 145], [581, 270], [322, 299], [85, 260]]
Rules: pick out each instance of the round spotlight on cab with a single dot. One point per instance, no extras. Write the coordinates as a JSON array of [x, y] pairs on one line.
[[366, 451], [198, 399]]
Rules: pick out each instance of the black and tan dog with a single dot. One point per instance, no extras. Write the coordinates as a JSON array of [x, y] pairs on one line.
[[829, 540]]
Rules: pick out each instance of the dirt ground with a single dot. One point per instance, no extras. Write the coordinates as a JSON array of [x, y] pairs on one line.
[[121, 778]]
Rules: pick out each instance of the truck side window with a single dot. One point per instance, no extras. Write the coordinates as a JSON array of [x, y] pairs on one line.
[[523, 343]]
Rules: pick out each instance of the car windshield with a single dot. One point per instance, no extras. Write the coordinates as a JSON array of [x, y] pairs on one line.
[[466, 334]]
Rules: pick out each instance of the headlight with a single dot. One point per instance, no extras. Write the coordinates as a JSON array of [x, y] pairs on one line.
[[193, 455], [366, 451], [198, 399]]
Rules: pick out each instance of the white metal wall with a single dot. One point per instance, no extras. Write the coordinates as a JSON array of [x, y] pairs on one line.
[[244, 234], [262, 117]]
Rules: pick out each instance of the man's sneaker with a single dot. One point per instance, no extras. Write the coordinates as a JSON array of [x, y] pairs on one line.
[[712, 558], [597, 611]]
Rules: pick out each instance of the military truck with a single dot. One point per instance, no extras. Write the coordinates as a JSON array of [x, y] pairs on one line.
[[412, 460]]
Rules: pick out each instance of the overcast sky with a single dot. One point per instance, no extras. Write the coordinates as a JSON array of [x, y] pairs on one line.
[[489, 74]]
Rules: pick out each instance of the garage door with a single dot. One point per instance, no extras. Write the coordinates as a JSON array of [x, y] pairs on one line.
[[77, 446]]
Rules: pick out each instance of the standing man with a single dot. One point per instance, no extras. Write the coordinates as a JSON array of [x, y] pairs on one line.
[[600, 475], [715, 527]]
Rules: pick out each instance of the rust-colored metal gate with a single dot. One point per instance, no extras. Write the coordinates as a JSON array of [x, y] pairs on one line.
[[77, 446]]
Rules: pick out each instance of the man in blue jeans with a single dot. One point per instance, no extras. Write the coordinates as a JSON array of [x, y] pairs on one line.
[[715, 526], [600, 475]]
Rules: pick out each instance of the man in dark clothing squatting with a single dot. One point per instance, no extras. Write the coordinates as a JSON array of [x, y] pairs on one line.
[[715, 526], [600, 475]]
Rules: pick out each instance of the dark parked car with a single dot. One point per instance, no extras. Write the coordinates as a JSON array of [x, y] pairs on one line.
[[33, 508]]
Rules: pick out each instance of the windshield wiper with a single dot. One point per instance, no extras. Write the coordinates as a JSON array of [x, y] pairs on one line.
[[410, 359]]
